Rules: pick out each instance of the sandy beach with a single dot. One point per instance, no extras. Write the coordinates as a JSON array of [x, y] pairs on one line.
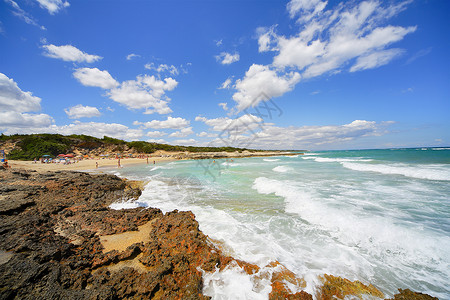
[[84, 165]]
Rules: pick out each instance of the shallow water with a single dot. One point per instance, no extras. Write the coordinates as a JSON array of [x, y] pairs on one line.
[[378, 216]]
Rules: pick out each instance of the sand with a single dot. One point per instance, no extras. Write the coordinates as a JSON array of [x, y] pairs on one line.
[[85, 165]]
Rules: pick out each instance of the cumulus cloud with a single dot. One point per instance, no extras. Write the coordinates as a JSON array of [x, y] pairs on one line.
[[182, 133], [146, 92], [80, 111], [95, 129], [155, 134], [13, 119], [351, 36], [157, 141], [329, 40], [226, 58], [170, 123], [15, 105], [69, 53], [95, 77], [163, 68], [270, 136], [53, 6], [206, 134], [12, 98], [262, 80], [241, 124], [185, 142], [306, 137], [226, 84]]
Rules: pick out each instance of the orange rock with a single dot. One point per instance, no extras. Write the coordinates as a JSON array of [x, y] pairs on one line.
[[337, 287]]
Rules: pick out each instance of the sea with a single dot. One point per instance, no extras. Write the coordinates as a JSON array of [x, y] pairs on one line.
[[378, 216]]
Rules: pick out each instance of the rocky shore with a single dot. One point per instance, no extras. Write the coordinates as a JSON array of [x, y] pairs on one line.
[[59, 240]]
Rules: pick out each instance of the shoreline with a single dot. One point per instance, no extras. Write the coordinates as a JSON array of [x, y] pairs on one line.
[[89, 165]]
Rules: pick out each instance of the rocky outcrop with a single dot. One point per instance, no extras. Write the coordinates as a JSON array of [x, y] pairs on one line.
[[59, 240]]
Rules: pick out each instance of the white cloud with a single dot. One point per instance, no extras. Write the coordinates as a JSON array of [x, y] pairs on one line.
[[307, 9], [219, 43], [317, 137], [270, 136], [163, 68], [53, 6], [224, 106], [170, 123], [375, 59], [226, 58], [155, 134], [13, 119], [132, 55], [20, 13], [95, 77], [185, 142], [331, 39], [12, 98], [145, 92], [352, 34], [182, 133], [157, 141], [69, 53], [95, 129], [226, 84], [261, 80], [206, 134], [80, 111], [241, 124]]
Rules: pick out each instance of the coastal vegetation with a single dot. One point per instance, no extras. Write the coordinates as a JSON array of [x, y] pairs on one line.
[[29, 147]]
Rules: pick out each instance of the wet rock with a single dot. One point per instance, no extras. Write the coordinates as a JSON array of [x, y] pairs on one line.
[[336, 287], [410, 295]]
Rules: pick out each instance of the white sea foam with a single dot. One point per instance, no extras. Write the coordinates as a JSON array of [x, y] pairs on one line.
[[271, 159], [440, 148], [327, 159], [233, 283], [361, 236], [125, 205], [282, 169], [430, 172]]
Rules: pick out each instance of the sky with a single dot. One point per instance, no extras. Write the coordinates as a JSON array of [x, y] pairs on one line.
[[299, 74]]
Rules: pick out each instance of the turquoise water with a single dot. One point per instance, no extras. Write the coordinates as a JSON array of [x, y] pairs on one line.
[[378, 216]]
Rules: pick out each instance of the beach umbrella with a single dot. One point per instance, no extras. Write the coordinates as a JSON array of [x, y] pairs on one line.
[[68, 155], [46, 155]]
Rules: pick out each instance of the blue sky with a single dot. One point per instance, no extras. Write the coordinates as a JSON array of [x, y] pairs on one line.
[[300, 74]]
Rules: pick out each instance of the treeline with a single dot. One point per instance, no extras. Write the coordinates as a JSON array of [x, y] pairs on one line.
[[33, 146]]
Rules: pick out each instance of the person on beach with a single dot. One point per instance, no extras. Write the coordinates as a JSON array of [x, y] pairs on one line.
[[118, 163], [154, 162], [147, 160], [96, 164], [5, 164]]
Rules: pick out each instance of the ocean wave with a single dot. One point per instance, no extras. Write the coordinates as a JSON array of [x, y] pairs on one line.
[[271, 159], [339, 160], [282, 169], [434, 172]]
